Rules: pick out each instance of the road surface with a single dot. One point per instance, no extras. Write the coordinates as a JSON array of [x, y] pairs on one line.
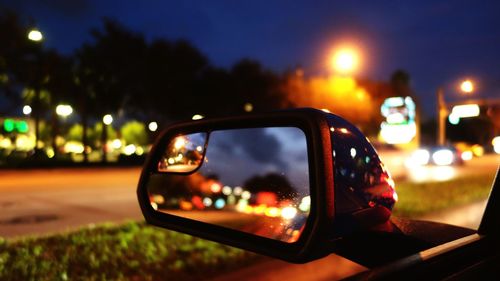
[[48, 201], [395, 162]]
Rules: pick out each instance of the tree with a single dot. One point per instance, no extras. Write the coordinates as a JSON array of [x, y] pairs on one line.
[[400, 83], [134, 132], [172, 72], [109, 73]]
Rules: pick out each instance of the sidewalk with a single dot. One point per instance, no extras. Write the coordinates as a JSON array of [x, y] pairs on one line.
[[466, 216]]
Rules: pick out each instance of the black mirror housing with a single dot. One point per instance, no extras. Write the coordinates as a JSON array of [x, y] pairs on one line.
[[350, 190]]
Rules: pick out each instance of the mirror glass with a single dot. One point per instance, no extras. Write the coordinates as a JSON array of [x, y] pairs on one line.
[[183, 153], [253, 180]]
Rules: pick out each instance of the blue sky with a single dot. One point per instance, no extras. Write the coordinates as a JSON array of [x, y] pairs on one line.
[[437, 42]]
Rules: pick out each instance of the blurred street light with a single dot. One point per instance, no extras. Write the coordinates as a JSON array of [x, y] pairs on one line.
[[345, 60], [64, 110], [442, 111], [27, 110], [197, 117], [153, 126], [35, 35], [467, 86], [107, 119], [248, 107]]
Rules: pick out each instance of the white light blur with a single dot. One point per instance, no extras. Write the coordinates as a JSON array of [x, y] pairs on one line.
[[226, 190], [197, 117], [432, 173], [27, 110], [395, 118], [207, 202], [496, 144], [153, 126], [466, 155], [246, 194], [443, 157], [466, 110], [154, 206], [180, 142], [353, 152], [129, 149], [305, 204], [107, 119], [35, 35], [398, 134], [64, 110], [73, 147], [237, 190], [289, 212], [116, 144], [420, 157]]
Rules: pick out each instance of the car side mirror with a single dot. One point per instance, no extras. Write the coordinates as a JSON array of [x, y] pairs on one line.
[[281, 184]]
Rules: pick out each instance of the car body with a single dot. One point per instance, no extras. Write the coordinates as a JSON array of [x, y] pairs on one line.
[[351, 218]]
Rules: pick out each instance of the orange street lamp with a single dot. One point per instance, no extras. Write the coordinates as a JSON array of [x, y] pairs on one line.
[[345, 60]]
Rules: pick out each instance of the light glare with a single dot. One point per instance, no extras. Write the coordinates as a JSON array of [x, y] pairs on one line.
[[443, 157], [27, 110], [107, 119], [35, 35], [153, 126]]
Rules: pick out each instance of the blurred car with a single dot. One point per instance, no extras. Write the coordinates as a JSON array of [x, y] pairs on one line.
[[438, 155]]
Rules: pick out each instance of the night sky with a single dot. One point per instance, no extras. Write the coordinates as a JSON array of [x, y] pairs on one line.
[[438, 42]]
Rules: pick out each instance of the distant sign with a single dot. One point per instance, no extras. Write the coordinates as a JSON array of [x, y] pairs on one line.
[[399, 125]]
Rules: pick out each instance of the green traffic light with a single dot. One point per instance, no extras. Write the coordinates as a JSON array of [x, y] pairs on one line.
[[22, 126], [8, 125]]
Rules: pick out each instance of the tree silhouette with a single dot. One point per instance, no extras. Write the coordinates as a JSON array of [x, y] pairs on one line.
[[108, 72]]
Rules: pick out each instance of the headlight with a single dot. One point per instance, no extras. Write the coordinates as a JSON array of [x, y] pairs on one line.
[[443, 157], [420, 157]]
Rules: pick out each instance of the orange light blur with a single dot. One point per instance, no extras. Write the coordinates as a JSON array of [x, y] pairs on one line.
[[273, 212], [215, 187], [345, 60], [180, 142]]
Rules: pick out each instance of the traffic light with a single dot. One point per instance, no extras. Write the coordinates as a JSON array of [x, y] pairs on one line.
[[12, 126]]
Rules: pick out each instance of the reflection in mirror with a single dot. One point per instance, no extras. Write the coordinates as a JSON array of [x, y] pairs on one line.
[[252, 180], [183, 154]]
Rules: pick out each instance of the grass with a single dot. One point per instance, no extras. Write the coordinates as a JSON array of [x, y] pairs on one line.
[[416, 199], [132, 251], [136, 251]]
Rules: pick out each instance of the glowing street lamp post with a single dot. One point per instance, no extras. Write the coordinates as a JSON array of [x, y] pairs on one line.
[[62, 110], [345, 60], [467, 87], [106, 121], [36, 36]]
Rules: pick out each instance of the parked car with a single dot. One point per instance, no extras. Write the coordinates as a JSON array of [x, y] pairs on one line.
[[437, 155], [349, 210]]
